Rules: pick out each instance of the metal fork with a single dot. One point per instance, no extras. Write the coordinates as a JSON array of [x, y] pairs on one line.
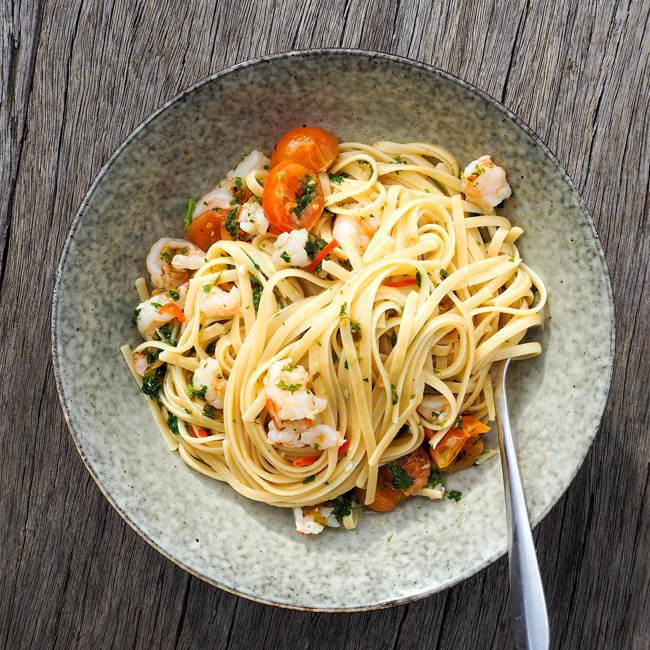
[[529, 615]]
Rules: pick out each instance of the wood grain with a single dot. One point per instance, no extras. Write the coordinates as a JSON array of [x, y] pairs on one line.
[[77, 76]]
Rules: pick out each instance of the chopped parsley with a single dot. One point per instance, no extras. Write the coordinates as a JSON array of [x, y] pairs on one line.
[[338, 178], [439, 185], [309, 479], [165, 333], [210, 347], [345, 365], [393, 338], [232, 225], [209, 411], [355, 328], [366, 380], [257, 288], [343, 505], [534, 289], [292, 388], [314, 246], [394, 394], [237, 181], [435, 478], [166, 256], [207, 288], [285, 256], [174, 295], [188, 215], [344, 309], [418, 278], [196, 392], [135, 316], [255, 264], [335, 357], [443, 273], [156, 305], [152, 384], [459, 422], [402, 480], [305, 195], [455, 495], [172, 423]]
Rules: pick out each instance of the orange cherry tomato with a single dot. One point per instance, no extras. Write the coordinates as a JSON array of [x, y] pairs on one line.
[[454, 442], [293, 197], [208, 228], [309, 146], [416, 464], [467, 456]]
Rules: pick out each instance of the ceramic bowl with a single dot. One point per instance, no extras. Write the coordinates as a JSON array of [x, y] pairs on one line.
[[252, 549]]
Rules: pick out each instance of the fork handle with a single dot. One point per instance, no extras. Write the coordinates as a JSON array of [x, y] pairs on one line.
[[529, 615]]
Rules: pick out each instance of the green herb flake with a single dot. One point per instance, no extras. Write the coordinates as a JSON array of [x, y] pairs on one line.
[[292, 388], [232, 225], [402, 480], [343, 505], [439, 185], [255, 264], [188, 215], [338, 178], [443, 273], [209, 411], [366, 380], [257, 288], [534, 289], [285, 256], [135, 316], [309, 479], [335, 356], [459, 422], [418, 279], [455, 495], [188, 410], [210, 347], [305, 195], [174, 295], [166, 256], [344, 309], [156, 305], [238, 181], [393, 338], [172, 423], [394, 394], [435, 479], [196, 392]]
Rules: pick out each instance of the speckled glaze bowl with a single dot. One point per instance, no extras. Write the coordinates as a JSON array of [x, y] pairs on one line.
[[141, 194]]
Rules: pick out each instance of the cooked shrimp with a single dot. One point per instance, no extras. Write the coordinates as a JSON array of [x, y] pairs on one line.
[[170, 260], [254, 161], [216, 303], [288, 397], [148, 316], [360, 231], [312, 520], [290, 249], [435, 408], [218, 198], [140, 362], [303, 432], [484, 183], [210, 375], [252, 219]]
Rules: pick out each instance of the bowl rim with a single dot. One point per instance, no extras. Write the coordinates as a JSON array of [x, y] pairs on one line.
[[368, 54]]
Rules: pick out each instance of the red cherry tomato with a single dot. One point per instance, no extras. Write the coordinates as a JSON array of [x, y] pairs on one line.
[[416, 464], [309, 146], [293, 197], [455, 441], [208, 228]]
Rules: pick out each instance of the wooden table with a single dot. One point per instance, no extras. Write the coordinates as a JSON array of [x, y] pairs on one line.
[[77, 77]]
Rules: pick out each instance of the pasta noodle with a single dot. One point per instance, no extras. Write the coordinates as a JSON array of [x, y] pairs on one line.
[[424, 295]]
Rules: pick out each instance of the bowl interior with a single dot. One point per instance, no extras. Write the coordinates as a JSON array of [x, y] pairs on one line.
[[556, 400]]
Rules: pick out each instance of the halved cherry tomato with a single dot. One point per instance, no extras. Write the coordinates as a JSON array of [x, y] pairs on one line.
[[301, 462], [208, 228], [416, 464], [454, 442], [467, 456], [401, 283], [309, 146], [293, 197]]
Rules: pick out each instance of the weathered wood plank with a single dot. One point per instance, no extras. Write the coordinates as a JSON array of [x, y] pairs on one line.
[[77, 76]]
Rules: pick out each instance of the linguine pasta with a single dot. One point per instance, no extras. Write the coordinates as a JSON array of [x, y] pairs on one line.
[[427, 292]]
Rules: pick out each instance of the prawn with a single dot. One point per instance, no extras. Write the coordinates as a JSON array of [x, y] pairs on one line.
[[435, 408], [210, 375], [302, 432], [288, 397], [359, 231], [252, 219], [149, 315], [216, 303], [170, 261], [290, 249], [484, 183], [311, 520]]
